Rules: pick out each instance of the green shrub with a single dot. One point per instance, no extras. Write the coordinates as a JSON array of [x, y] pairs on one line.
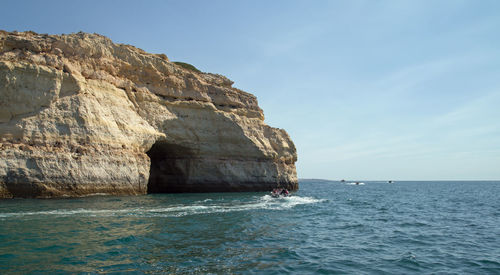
[[187, 66]]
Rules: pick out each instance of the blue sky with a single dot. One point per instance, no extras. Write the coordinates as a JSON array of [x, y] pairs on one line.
[[402, 90]]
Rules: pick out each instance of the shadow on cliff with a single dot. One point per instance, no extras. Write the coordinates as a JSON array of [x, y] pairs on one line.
[[170, 166], [238, 164]]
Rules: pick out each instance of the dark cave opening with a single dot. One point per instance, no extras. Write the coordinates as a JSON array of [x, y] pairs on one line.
[[170, 166]]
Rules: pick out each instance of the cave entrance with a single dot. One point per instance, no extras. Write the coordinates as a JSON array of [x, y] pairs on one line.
[[170, 166]]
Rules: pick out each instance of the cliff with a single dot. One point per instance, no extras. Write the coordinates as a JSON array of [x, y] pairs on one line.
[[82, 115]]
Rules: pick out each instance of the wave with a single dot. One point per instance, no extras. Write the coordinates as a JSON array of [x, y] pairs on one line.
[[207, 206]]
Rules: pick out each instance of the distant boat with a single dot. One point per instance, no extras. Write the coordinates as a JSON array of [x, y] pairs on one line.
[[390, 181], [343, 180], [356, 183]]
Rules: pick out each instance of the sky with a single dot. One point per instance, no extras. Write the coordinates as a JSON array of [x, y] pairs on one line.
[[367, 90]]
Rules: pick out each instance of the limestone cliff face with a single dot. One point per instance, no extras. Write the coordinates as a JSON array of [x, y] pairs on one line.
[[81, 115]]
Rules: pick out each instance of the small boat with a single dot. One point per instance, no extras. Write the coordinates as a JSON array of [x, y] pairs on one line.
[[356, 183], [280, 193]]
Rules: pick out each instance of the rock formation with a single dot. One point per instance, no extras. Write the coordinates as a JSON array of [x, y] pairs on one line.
[[81, 115]]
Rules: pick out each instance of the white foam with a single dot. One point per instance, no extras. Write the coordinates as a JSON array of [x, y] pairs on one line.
[[203, 207], [68, 212]]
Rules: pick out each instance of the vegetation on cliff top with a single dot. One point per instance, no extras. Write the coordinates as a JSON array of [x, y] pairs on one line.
[[187, 66]]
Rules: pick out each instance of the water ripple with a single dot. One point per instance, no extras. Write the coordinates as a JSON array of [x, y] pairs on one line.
[[326, 227]]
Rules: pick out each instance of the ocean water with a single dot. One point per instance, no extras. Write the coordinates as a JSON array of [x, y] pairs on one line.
[[325, 228]]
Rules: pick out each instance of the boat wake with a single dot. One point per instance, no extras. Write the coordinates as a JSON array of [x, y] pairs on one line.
[[207, 206]]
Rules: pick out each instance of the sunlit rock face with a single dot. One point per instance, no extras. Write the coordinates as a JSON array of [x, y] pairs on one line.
[[80, 115]]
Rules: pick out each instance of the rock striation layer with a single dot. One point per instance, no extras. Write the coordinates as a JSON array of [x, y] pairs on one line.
[[82, 115]]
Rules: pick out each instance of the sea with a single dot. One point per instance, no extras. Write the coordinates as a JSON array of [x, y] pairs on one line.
[[327, 227]]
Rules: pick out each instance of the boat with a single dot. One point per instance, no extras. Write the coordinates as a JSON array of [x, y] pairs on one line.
[[280, 193], [356, 183]]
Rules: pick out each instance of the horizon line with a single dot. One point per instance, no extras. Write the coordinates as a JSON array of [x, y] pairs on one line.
[[400, 180]]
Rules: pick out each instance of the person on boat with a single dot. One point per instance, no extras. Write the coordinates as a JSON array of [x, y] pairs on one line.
[[284, 192]]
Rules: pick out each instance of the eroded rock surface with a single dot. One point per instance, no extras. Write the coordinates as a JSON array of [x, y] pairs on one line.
[[82, 115]]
